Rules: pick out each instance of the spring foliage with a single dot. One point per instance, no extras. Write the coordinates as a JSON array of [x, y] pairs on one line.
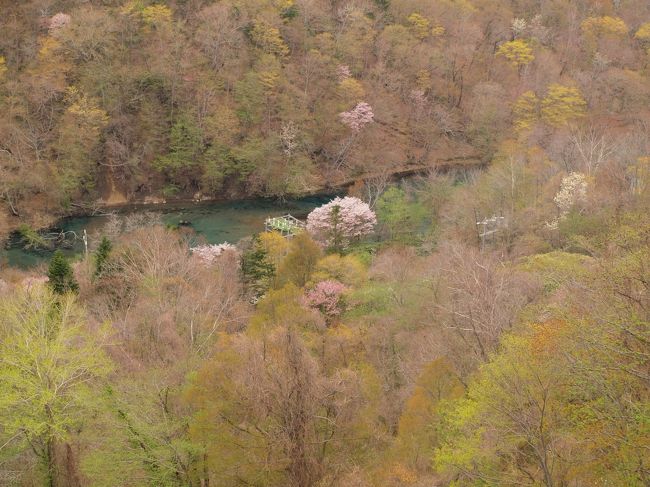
[[562, 104], [436, 352], [517, 52], [50, 366]]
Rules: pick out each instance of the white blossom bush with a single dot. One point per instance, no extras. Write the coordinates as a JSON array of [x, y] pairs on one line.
[[210, 253], [573, 191], [341, 222], [518, 26]]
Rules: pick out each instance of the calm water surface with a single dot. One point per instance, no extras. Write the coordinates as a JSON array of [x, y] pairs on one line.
[[214, 222]]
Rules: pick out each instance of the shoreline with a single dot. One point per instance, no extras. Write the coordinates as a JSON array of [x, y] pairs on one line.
[[153, 203]]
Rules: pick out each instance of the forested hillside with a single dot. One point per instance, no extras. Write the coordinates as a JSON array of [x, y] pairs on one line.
[[483, 322], [125, 100]]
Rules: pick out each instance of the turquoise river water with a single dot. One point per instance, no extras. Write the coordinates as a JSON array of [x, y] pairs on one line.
[[213, 222]]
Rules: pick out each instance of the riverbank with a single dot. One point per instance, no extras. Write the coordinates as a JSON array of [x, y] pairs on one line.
[[32, 215]]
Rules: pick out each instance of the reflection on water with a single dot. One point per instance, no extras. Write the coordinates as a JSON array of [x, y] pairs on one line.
[[214, 222]]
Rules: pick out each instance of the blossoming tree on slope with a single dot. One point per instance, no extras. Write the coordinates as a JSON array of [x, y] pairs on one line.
[[209, 253], [327, 297], [341, 222], [357, 118]]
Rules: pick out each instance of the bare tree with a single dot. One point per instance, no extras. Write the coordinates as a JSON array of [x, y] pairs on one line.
[[482, 300], [375, 186], [594, 148]]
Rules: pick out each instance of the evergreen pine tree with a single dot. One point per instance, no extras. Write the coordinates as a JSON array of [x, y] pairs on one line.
[[60, 274], [256, 269], [101, 256]]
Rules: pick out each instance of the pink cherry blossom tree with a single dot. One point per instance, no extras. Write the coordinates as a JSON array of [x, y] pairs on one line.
[[341, 222], [357, 118], [327, 297]]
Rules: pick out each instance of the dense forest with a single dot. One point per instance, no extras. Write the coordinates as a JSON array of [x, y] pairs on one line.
[[482, 322]]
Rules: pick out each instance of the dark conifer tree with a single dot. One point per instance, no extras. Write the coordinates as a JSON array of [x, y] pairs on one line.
[[101, 256], [256, 269], [60, 274]]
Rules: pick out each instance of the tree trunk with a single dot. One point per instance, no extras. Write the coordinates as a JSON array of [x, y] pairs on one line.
[[50, 464]]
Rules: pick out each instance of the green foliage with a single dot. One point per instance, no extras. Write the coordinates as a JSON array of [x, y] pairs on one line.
[[573, 379], [141, 433], [577, 227], [31, 238], [185, 148], [402, 217], [372, 299], [281, 307], [60, 275], [347, 269], [300, 262], [290, 12], [249, 93], [558, 268], [246, 158], [364, 251], [217, 165], [50, 365], [170, 190]]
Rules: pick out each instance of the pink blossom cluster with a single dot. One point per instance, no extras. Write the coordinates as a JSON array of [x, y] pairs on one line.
[[341, 221], [59, 20], [327, 297], [357, 118], [210, 253]]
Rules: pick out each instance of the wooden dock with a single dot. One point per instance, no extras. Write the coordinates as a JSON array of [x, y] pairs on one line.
[[286, 225]]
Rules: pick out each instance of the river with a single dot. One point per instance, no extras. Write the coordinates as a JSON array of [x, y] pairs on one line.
[[214, 222]]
